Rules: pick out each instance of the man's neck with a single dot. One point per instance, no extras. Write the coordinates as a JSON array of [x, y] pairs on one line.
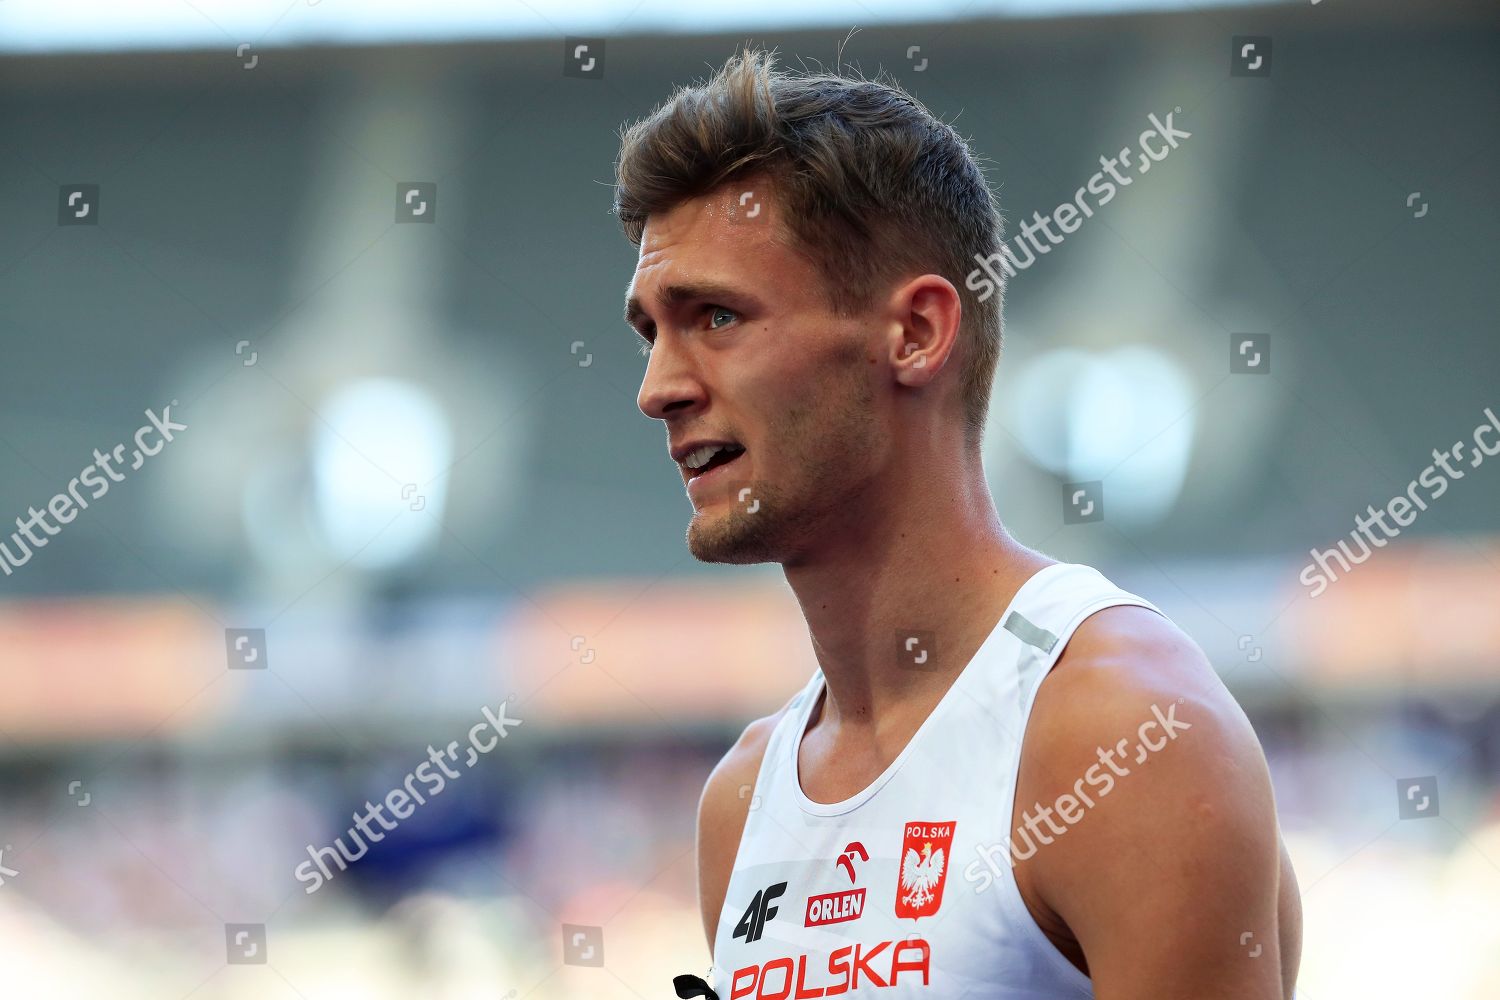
[[941, 576]]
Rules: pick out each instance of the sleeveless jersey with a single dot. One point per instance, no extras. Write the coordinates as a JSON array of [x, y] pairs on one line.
[[905, 890]]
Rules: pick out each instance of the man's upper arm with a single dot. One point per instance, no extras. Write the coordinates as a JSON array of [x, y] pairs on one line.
[[722, 810], [1169, 881]]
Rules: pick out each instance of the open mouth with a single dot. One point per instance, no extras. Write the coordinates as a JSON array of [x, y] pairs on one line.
[[724, 456]]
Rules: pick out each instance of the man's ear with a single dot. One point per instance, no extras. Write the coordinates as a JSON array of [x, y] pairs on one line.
[[925, 315]]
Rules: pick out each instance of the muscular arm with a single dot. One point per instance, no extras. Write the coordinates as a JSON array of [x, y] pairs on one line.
[[722, 809], [1171, 883]]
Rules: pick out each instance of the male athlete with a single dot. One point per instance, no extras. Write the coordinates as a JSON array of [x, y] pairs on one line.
[[823, 368]]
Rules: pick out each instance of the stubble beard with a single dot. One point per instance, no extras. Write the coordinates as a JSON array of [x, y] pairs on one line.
[[823, 451]]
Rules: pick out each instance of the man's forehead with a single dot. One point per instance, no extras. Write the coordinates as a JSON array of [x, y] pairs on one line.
[[727, 214], [711, 234]]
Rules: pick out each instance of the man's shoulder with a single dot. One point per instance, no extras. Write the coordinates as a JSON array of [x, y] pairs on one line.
[[1131, 692], [723, 810], [1124, 668], [1122, 654], [1137, 748], [732, 781]]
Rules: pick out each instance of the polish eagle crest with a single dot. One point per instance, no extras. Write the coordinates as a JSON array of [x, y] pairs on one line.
[[920, 875]]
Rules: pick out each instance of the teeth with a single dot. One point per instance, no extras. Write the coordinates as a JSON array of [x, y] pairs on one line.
[[701, 457]]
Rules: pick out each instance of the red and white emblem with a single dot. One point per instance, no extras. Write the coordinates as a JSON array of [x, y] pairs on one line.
[[924, 868], [845, 904]]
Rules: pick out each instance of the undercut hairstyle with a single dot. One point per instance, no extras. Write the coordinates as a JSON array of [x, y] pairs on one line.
[[875, 190]]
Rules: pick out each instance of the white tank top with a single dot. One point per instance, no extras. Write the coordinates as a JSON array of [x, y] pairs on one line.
[[905, 889]]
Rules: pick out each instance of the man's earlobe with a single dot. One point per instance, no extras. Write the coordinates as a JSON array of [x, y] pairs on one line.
[[914, 367]]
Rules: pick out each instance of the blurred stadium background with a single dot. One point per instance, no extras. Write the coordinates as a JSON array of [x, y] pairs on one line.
[[413, 459]]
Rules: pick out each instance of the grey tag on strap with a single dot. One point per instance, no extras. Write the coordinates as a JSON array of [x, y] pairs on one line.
[[1033, 635]]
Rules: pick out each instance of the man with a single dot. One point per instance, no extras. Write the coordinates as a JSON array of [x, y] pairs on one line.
[[823, 369]]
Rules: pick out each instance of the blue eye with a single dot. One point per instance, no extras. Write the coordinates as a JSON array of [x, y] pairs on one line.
[[718, 311]]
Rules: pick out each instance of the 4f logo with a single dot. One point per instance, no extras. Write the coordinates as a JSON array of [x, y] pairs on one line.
[[753, 924]]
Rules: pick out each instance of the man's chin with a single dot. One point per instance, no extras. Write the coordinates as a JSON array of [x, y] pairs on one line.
[[730, 537]]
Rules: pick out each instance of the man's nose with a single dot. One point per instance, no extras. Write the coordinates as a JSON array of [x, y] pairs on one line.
[[672, 383]]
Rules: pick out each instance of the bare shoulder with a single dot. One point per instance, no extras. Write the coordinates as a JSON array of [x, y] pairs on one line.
[[722, 809], [1136, 750], [1124, 646], [1128, 664], [1133, 682]]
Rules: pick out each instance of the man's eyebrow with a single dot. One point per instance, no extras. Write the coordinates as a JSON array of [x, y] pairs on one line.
[[671, 296]]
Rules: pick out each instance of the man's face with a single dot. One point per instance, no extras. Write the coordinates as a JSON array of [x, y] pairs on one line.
[[746, 351]]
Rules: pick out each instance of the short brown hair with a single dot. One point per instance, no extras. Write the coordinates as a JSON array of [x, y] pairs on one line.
[[875, 188]]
